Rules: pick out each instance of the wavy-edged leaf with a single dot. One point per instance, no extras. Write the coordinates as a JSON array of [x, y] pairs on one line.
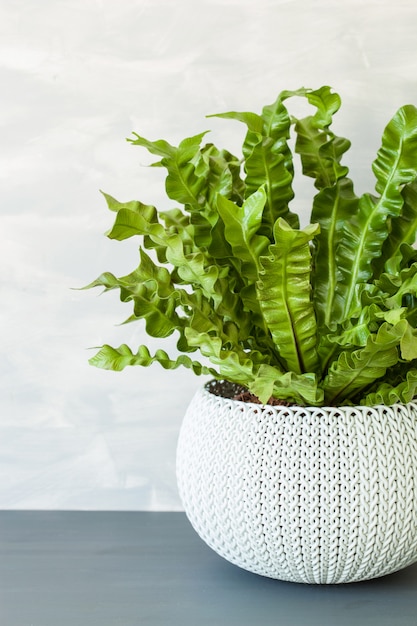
[[127, 212], [254, 371], [321, 152], [356, 370], [233, 364], [191, 268], [181, 184], [300, 389], [135, 218], [399, 293], [221, 171], [357, 333], [239, 291], [331, 208], [146, 272], [195, 177], [160, 315], [268, 158], [107, 280], [203, 319], [403, 231], [388, 394], [154, 297], [241, 224], [253, 121], [364, 234], [132, 205], [319, 148], [178, 223], [117, 359], [353, 336], [408, 340], [284, 294]]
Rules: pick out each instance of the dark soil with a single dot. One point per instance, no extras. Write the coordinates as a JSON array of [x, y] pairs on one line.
[[226, 389]]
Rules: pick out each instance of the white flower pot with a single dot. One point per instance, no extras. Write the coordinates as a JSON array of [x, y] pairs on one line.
[[313, 495]]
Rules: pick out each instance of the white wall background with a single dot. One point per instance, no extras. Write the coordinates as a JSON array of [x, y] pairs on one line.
[[77, 77]]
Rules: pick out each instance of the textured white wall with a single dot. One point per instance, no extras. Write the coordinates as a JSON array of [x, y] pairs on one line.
[[77, 76]]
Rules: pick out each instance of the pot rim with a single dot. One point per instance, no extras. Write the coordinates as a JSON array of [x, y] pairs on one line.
[[325, 408]]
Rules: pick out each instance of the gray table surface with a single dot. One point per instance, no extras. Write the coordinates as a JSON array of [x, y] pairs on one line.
[[151, 569]]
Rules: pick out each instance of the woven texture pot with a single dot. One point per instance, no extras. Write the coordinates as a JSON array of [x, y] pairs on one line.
[[313, 495]]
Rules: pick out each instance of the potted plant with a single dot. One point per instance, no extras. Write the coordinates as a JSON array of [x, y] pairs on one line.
[[298, 461]]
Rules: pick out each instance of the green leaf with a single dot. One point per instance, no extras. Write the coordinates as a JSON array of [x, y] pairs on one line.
[[365, 232], [241, 224], [191, 268], [321, 152], [253, 371], [319, 148], [233, 363], [181, 184], [195, 176], [159, 313], [388, 394], [117, 359], [284, 294], [355, 370], [354, 335], [154, 297], [324, 315], [268, 159], [128, 214], [408, 341], [397, 286], [331, 208], [253, 121], [301, 389], [133, 205], [221, 171], [403, 231]]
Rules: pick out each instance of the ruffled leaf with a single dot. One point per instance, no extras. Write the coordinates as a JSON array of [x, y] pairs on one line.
[[191, 268], [365, 232], [221, 171], [154, 298], [232, 363], [388, 394], [319, 148], [302, 389], [403, 231], [239, 274], [268, 158], [253, 371], [182, 184], [321, 152], [284, 295], [331, 208], [241, 224], [117, 359], [354, 371], [399, 293]]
